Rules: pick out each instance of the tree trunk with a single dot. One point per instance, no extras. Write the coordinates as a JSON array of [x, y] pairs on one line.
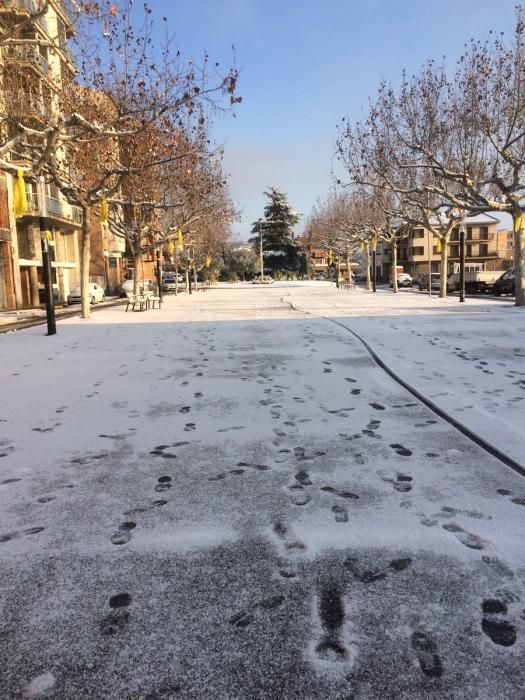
[[337, 273], [444, 265], [176, 278], [195, 278], [85, 254], [348, 273], [136, 278], [188, 280], [368, 270], [395, 288], [519, 261]]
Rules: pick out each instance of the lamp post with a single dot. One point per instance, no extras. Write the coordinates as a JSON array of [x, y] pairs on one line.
[[46, 263], [261, 256], [462, 260], [159, 274], [429, 263], [374, 246]]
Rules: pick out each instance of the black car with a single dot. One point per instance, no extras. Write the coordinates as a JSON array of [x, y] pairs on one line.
[[504, 284]]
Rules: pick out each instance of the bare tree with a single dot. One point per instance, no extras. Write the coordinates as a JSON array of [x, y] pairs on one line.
[[145, 88], [460, 141]]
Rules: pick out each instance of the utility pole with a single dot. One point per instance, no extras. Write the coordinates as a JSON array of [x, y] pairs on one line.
[[261, 257], [159, 274], [46, 263], [462, 261], [429, 263]]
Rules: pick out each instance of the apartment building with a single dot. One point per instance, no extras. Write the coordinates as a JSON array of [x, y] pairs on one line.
[[318, 262], [485, 248], [34, 64]]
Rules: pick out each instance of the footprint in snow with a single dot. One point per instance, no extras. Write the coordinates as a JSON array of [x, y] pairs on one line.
[[499, 630]]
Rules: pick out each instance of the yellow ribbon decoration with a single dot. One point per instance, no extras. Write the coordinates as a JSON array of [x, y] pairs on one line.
[[517, 223], [208, 261], [361, 245], [180, 240], [170, 246], [19, 194], [330, 257], [438, 245], [374, 243], [104, 209]]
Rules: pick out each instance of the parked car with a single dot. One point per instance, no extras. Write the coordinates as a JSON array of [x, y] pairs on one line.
[[403, 280], [128, 286], [320, 277], [170, 282], [505, 284], [264, 280], [435, 280], [95, 294]]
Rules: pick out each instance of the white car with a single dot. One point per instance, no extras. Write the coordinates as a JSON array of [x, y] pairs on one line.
[[171, 282], [128, 285], [403, 280], [95, 294]]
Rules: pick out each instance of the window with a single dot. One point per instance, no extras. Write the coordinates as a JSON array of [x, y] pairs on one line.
[[455, 235], [454, 251], [483, 249], [483, 233], [418, 250], [469, 233], [418, 233], [469, 251], [25, 249]]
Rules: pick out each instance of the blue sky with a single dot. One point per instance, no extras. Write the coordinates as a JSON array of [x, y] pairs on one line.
[[305, 64]]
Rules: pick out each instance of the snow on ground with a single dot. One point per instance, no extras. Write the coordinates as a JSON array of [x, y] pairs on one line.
[[468, 358], [227, 498]]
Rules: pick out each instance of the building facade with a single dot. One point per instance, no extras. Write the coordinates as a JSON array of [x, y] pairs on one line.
[[485, 249], [34, 64]]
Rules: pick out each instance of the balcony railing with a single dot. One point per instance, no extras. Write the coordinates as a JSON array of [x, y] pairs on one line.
[[27, 53], [29, 5], [55, 208], [473, 237]]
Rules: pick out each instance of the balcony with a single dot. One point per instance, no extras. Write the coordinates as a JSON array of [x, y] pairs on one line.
[[27, 54], [34, 106], [55, 209], [29, 5], [473, 237]]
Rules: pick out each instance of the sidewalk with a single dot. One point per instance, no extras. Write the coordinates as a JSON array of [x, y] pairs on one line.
[[24, 318]]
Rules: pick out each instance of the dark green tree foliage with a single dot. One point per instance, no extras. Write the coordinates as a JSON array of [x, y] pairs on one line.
[[241, 262], [279, 248]]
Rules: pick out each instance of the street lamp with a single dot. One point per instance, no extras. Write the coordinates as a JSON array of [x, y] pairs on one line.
[[462, 260], [159, 273], [46, 263], [374, 246], [261, 256]]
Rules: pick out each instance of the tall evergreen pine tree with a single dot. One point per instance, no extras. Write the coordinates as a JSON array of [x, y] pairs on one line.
[[280, 250]]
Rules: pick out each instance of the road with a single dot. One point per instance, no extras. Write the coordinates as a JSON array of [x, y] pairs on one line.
[[227, 498]]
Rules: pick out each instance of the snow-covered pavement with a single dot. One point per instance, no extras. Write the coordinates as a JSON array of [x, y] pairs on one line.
[[227, 498]]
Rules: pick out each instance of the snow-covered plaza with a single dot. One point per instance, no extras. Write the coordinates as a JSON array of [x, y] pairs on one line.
[[229, 498]]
